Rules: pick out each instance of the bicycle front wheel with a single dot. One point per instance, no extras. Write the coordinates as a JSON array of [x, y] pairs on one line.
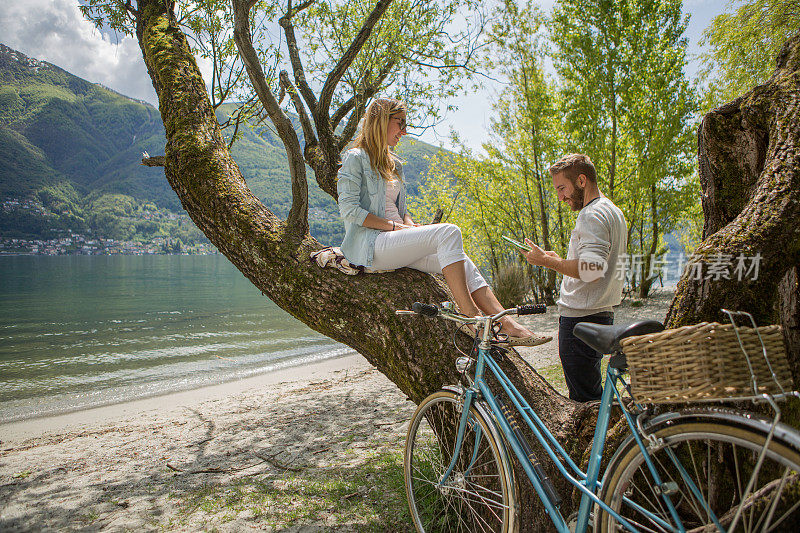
[[479, 495], [718, 460]]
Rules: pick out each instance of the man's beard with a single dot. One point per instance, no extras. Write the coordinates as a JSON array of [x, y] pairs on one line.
[[576, 198]]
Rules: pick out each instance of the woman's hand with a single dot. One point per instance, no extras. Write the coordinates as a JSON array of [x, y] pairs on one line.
[[410, 223], [398, 226]]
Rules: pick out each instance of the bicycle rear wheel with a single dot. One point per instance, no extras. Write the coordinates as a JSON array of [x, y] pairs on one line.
[[479, 495], [719, 457]]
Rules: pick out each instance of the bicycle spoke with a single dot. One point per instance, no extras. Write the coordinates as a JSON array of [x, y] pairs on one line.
[[776, 496], [686, 495], [783, 517], [646, 495], [474, 496], [698, 476], [703, 454]]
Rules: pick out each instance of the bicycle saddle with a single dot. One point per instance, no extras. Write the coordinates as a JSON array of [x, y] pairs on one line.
[[605, 339]]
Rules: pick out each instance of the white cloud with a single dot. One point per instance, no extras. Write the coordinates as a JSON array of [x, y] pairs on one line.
[[54, 31]]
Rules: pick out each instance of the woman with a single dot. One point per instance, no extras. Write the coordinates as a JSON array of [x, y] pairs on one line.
[[381, 235]]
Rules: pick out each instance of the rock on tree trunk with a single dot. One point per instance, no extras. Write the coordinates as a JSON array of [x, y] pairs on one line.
[[415, 353], [749, 155]]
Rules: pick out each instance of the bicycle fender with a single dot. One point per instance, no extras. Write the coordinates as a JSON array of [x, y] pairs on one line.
[[754, 421], [783, 432]]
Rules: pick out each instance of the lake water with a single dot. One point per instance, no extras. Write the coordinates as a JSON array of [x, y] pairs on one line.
[[83, 331]]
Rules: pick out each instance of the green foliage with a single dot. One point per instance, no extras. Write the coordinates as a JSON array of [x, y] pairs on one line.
[[508, 192], [511, 284], [620, 96], [422, 51], [109, 13], [410, 38], [743, 46], [629, 105]]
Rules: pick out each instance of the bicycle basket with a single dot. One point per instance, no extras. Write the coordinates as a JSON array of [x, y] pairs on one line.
[[706, 362]]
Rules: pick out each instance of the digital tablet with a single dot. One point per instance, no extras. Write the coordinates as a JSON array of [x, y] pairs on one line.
[[522, 246]]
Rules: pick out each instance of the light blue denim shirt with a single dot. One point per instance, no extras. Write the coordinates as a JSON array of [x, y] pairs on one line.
[[362, 190]]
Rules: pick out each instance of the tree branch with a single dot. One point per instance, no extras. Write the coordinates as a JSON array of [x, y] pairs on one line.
[[305, 122], [294, 54], [297, 220], [345, 108], [129, 8], [365, 93], [360, 103], [349, 56], [154, 161]]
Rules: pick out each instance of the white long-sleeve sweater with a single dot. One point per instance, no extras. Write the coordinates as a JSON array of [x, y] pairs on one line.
[[600, 237]]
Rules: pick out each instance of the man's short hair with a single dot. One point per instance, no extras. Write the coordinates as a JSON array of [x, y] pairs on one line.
[[573, 165]]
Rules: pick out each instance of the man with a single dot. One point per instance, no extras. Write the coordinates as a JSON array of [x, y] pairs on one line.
[[590, 287]]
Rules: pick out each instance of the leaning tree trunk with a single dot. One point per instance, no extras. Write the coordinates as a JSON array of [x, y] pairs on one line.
[[415, 353], [749, 155]]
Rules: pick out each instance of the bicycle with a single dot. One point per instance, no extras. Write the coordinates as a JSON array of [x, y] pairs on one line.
[[666, 475]]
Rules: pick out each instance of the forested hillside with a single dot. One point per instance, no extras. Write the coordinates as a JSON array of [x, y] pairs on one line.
[[70, 153]]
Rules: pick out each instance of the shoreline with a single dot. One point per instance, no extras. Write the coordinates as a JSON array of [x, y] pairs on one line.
[[18, 431], [39, 426], [303, 449], [319, 450]]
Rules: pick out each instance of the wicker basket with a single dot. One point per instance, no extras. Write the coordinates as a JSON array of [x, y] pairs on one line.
[[704, 362]]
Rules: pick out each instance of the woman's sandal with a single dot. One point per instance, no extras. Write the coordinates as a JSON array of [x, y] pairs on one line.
[[531, 340]]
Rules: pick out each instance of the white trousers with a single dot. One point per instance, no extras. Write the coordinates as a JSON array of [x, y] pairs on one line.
[[427, 248]]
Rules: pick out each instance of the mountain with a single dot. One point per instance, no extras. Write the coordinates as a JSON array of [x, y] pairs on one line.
[[56, 128], [72, 149]]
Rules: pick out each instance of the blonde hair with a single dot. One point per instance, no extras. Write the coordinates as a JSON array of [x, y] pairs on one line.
[[372, 136]]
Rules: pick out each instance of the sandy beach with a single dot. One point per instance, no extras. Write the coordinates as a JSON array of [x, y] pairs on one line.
[[315, 448]]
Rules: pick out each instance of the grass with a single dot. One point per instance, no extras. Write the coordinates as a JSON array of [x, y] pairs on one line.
[[359, 494], [366, 497], [555, 375]]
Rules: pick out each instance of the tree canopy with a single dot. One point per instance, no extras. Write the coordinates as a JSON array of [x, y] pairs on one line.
[[743, 45], [620, 94]]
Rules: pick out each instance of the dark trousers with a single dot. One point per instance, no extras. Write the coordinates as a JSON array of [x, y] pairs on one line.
[[581, 363]]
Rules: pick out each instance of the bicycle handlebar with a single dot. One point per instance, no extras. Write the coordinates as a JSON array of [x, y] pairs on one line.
[[419, 308], [531, 309], [425, 309]]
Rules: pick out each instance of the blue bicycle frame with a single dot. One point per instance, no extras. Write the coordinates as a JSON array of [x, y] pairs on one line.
[[587, 482]]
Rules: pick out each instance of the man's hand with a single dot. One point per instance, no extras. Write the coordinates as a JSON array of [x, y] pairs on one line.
[[549, 259], [538, 256]]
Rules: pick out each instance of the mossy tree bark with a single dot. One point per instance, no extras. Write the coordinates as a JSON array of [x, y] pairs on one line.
[[749, 155]]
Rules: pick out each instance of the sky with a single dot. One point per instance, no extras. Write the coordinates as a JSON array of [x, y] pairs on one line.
[[55, 31]]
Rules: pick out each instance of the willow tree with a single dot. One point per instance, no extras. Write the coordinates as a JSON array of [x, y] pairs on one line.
[[629, 104], [415, 353], [742, 44]]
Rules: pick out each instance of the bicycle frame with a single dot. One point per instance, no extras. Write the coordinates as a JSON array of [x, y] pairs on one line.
[[586, 482]]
